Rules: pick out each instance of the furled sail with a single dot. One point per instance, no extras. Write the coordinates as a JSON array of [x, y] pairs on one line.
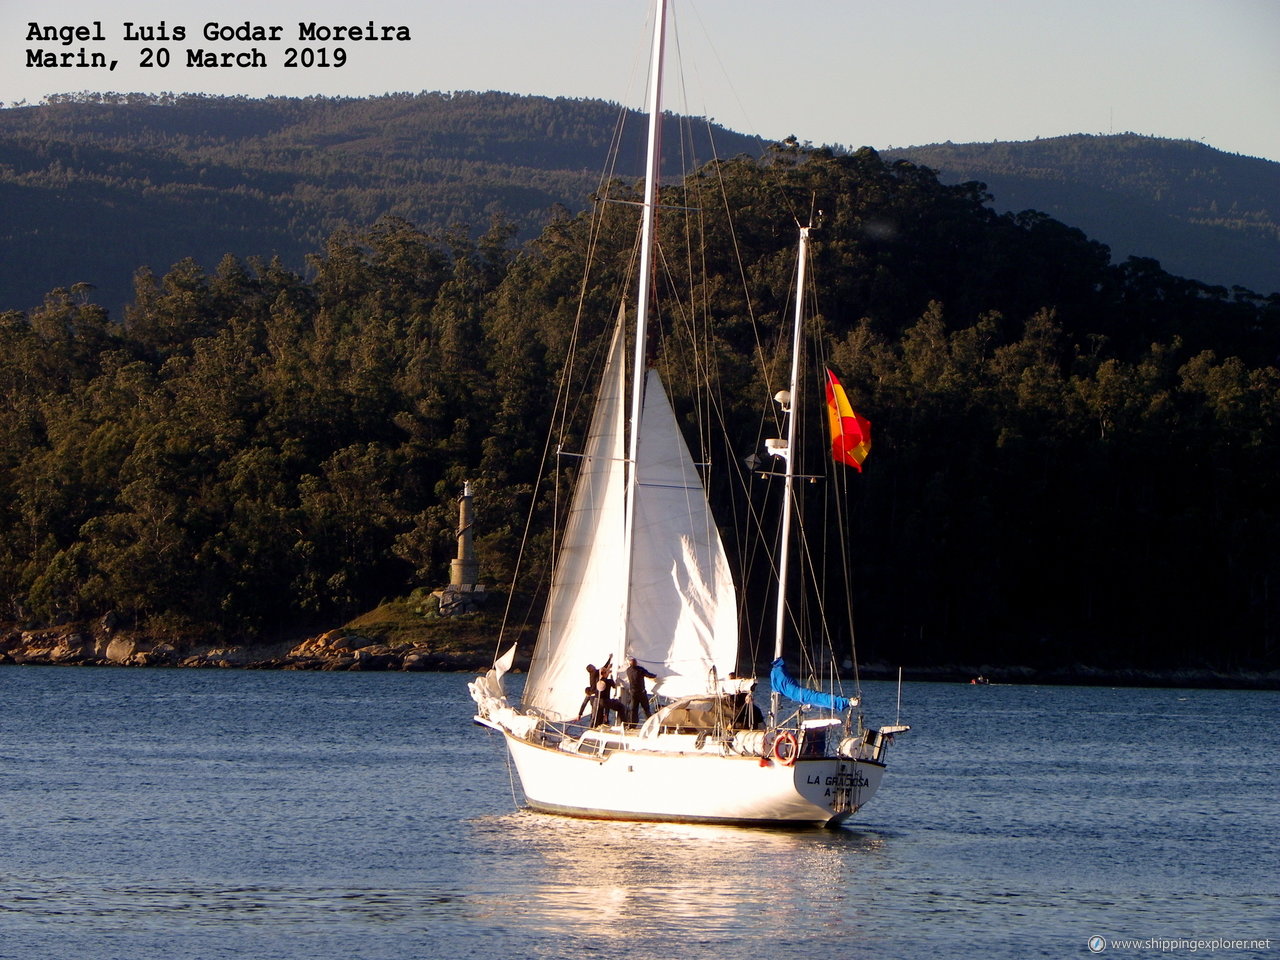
[[683, 621], [783, 684], [583, 619]]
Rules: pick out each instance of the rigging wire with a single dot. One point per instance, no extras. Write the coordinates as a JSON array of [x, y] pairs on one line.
[[693, 313]]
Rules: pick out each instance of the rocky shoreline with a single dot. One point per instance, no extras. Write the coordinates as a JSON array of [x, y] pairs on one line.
[[338, 650], [333, 650]]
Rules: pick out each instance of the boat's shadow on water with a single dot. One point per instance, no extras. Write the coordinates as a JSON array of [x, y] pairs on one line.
[[551, 827]]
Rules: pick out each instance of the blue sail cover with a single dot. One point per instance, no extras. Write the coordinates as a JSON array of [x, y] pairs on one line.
[[784, 685]]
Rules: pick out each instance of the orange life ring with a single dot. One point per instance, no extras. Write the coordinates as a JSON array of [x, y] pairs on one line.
[[786, 736]]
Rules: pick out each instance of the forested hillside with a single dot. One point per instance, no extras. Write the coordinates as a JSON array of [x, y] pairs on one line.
[[1074, 461], [95, 187], [1200, 212]]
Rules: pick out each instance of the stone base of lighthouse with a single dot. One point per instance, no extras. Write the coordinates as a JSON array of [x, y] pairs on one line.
[[459, 599]]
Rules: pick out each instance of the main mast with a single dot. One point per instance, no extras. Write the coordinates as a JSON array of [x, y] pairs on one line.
[[653, 161]]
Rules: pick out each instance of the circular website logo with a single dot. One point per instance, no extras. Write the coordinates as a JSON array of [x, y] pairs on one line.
[[1097, 944]]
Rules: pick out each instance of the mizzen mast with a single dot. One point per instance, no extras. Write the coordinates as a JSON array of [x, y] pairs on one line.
[[786, 450]]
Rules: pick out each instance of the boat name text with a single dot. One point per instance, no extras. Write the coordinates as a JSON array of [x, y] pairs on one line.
[[846, 781]]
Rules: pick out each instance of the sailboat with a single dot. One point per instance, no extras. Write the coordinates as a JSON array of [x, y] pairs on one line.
[[642, 573]]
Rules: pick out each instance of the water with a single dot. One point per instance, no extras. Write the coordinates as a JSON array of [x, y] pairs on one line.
[[193, 815]]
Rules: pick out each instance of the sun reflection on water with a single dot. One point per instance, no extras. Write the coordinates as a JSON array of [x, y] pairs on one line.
[[592, 879]]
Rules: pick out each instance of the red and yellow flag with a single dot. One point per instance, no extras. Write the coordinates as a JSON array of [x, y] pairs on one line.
[[850, 433]]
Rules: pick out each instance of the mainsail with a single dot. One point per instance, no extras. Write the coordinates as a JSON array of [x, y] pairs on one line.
[[683, 617], [583, 619], [682, 609]]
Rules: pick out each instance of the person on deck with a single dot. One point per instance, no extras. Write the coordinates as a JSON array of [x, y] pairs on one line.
[[639, 698], [593, 677], [746, 715], [605, 704]]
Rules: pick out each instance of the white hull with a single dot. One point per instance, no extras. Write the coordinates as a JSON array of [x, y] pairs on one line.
[[690, 786]]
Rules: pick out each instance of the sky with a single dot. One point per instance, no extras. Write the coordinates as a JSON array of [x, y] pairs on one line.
[[850, 72]]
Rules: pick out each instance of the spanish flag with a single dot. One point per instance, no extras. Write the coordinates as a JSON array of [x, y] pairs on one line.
[[850, 433]]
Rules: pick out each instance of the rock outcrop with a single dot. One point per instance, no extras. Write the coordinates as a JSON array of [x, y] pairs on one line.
[[101, 644], [334, 650]]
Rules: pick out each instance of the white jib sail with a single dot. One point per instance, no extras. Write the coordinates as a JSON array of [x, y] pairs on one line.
[[583, 619], [683, 612]]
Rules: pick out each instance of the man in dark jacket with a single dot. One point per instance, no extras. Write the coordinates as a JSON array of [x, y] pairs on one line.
[[635, 686]]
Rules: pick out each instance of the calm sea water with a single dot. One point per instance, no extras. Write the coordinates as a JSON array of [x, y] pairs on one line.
[[190, 815]]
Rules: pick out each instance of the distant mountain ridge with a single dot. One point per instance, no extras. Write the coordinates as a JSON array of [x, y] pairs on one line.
[[1204, 214], [97, 186]]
